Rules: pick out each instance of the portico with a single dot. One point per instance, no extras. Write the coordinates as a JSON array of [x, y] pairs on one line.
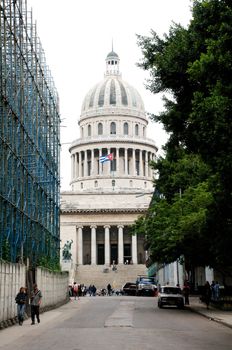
[[103, 245]]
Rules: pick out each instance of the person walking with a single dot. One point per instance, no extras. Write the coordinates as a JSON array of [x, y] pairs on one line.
[[36, 297], [186, 292], [207, 294], [20, 300]]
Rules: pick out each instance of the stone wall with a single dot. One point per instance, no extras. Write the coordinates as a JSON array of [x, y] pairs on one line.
[[53, 285]]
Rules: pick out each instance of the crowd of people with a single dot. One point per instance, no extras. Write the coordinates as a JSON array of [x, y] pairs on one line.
[[80, 290]]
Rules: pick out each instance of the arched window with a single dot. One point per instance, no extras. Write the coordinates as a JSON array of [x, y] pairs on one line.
[[125, 128], [100, 129], [136, 129], [113, 128], [113, 183], [89, 130], [82, 132], [95, 183], [144, 131]]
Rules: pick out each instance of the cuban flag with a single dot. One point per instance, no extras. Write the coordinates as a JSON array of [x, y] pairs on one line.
[[104, 159]]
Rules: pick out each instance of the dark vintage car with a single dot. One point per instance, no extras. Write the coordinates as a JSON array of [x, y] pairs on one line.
[[129, 288], [146, 286], [171, 296]]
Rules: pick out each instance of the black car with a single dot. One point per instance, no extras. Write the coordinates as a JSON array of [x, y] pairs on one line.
[[129, 288]]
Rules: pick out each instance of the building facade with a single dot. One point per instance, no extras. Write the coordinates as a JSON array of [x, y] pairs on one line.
[[111, 180]]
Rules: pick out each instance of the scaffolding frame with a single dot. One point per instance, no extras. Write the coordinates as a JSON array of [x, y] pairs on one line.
[[29, 142]]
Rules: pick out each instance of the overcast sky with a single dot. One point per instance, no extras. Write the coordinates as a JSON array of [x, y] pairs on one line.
[[77, 36]]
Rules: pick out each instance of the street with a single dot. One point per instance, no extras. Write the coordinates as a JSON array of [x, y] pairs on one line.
[[117, 322]]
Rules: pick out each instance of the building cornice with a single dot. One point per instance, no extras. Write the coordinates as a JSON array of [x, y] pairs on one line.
[[103, 210]]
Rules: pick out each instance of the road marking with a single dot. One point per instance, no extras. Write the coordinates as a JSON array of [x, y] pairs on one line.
[[123, 316]]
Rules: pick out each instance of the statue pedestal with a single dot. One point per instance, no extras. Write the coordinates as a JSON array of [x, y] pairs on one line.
[[67, 265]]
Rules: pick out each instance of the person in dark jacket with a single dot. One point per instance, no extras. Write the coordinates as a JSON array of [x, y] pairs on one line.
[[21, 303], [36, 297], [207, 294]]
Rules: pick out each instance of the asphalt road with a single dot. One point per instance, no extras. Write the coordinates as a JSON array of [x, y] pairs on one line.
[[122, 323]]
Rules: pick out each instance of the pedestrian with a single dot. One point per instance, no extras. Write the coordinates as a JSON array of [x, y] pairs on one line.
[[75, 290], [186, 292], [20, 300], [217, 290], [36, 297], [207, 294], [109, 289]]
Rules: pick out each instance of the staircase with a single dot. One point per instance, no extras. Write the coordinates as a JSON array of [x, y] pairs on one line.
[[100, 276]]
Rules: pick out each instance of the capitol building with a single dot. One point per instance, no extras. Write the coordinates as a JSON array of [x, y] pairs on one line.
[[111, 183]]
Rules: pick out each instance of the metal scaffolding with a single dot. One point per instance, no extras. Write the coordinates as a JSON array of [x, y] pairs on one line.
[[29, 142]]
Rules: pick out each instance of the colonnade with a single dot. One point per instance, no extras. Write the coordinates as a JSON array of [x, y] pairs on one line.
[[126, 161], [107, 243]]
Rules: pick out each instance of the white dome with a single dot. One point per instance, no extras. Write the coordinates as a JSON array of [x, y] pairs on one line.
[[113, 93]]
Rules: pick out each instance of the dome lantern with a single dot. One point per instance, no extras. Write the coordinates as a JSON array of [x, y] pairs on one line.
[[112, 64]]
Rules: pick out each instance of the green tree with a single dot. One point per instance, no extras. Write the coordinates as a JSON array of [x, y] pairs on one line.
[[194, 66]]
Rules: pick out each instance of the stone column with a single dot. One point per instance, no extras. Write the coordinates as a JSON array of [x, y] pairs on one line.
[[92, 163], [80, 245], [80, 167], [100, 164], [134, 249], [120, 244], [126, 160], [140, 163], [117, 161], [72, 167], [107, 244], [133, 163], [146, 164], [93, 244], [109, 163], [85, 164]]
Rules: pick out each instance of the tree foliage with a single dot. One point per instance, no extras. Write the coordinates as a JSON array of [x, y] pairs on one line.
[[194, 65]]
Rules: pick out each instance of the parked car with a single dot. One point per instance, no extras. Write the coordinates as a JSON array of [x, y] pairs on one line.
[[146, 286], [129, 288], [171, 296]]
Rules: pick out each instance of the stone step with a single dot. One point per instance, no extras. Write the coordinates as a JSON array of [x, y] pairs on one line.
[[101, 276]]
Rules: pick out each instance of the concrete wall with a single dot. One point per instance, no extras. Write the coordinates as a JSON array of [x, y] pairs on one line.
[[53, 285], [12, 277]]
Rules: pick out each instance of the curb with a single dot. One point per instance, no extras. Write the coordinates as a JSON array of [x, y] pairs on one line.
[[211, 318]]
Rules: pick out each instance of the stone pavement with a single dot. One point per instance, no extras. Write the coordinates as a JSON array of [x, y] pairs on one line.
[[220, 316]]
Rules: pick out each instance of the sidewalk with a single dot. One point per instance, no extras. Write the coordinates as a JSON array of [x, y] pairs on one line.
[[220, 316]]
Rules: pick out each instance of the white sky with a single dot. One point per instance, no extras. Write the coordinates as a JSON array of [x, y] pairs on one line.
[[77, 36]]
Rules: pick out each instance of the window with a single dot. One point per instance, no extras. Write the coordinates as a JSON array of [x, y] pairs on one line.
[[113, 128], [136, 129], [113, 183], [89, 130], [95, 184], [100, 129], [125, 128], [82, 185]]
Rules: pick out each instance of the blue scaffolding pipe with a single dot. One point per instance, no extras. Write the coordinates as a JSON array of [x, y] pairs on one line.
[[29, 141]]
